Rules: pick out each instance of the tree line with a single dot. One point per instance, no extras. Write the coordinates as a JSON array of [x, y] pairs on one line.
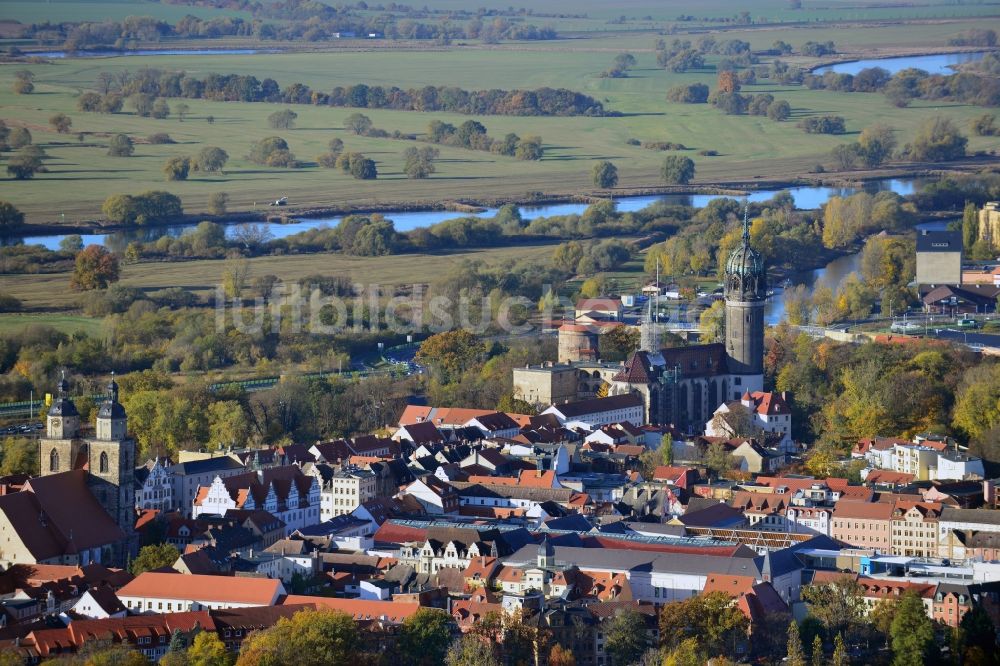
[[248, 88]]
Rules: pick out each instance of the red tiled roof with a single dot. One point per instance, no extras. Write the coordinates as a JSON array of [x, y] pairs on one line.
[[256, 591]]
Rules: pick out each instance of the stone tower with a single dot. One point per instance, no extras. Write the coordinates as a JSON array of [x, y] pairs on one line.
[[59, 449], [745, 296], [111, 461]]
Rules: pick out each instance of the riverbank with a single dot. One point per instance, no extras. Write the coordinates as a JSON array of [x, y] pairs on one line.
[[279, 215]]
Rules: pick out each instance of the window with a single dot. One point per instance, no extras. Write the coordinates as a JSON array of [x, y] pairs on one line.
[[104, 462], [54, 461]]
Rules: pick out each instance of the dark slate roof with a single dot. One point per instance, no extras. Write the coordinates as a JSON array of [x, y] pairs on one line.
[[697, 360], [939, 241], [594, 405], [217, 464]]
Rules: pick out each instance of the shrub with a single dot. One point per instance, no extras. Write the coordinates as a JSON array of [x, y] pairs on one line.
[[823, 125], [696, 93], [121, 146], [177, 168], [779, 110], [160, 138]]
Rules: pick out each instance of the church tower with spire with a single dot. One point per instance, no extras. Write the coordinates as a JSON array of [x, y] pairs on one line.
[[746, 294], [111, 461]]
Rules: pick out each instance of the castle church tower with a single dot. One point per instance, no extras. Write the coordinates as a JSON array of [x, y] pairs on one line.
[[111, 461], [746, 294]]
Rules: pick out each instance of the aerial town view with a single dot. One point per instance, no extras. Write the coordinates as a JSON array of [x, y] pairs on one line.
[[521, 333]]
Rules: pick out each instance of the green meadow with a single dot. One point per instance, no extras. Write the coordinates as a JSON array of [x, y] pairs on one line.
[[81, 175]]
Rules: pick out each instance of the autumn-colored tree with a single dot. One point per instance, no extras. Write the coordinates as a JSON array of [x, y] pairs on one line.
[[711, 618], [308, 638], [208, 650], [728, 82], [425, 636], [560, 656], [95, 268], [448, 354]]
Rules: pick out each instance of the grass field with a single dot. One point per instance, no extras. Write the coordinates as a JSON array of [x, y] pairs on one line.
[[12, 323], [82, 175], [51, 291], [39, 11]]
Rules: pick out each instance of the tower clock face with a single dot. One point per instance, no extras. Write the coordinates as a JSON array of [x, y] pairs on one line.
[[57, 422]]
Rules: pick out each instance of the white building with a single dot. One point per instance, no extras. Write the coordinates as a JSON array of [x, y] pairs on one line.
[[926, 460], [168, 593], [768, 411], [597, 412], [284, 492], [157, 491], [343, 490]]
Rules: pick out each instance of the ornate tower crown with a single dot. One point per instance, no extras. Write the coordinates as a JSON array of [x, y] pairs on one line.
[[745, 268]]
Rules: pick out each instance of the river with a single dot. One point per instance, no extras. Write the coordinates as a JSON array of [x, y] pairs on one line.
[[932, 64], [805, 198]]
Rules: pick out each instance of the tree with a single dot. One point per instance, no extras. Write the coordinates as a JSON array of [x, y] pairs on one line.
[[619, 343], [449, 353], [227, 423], [877, 143], [712, 322], [142, 104], [727, 82], [211, 159], [363, 168], [177, 168], [71, 243], [718, 459], [978, 636], [710, 618], [19, 137], [840, 657], [121, 146], [95, 268], [358, 123], [61, 123], [11, 219], [23, 82], [529, 148], [560, 656], [471, 650], [308, 638], [779, 110], [20, 456], [605, 175], [25, 163], [208, 650], [839, 605], [912, 632], [235, 274], [217, 203], [796, 656], [160, 109], [817, 651], [177, 642], [11, 658], [419, 162], [566, 257], [182, 110], [115, 655], [970, 224], [688, 653], [271, 151], [336, 146], [977, 401], [154, 557], [626, 637], [678, 170], [937, 140], [282, 119], [426, 636]]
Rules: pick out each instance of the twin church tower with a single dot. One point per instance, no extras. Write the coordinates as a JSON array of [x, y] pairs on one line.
[[108, 456]]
